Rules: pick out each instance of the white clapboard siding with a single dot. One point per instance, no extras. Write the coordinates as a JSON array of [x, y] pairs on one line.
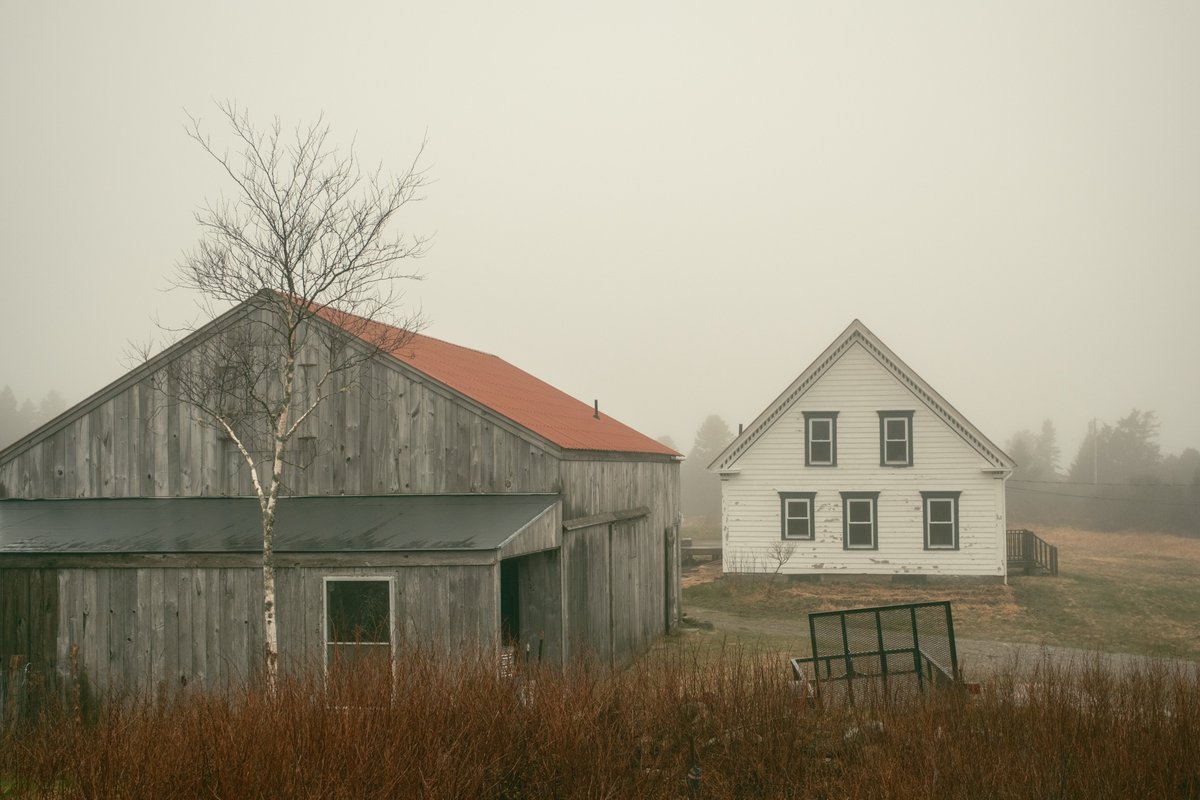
[[857, 386]]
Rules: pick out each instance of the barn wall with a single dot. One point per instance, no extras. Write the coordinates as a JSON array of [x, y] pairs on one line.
[[539, 577], [147, 627], [644, 555], [442, 607], [28, 616], [150, 627], [394, 433], [585, 561]]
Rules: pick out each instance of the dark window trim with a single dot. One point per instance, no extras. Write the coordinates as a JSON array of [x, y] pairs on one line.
[[832, 417], [884, 416], [784, 497], [846, 498], [925, 498]]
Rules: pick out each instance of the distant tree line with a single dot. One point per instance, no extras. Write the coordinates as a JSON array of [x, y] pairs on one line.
[[18, 419], [1119, 479], [701, 489]]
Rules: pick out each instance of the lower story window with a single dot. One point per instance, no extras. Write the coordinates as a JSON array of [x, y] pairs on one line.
[[358, 622], [796, 514], [941, 520], [860, 529]]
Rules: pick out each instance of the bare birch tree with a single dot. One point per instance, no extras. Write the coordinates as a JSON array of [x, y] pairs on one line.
[[306, 242]]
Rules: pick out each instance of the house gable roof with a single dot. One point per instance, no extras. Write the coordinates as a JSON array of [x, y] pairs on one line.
[[858, 333]]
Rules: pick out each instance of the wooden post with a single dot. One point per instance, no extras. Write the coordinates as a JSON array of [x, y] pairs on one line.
[[76, 705], [14, 676], [849, 660], [916, 643], [883, 665], [612, 637]]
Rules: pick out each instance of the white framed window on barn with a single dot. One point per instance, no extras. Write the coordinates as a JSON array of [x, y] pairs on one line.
[[941, 520], [895, 439], [796, 514], [359, 620], [860, 530], [820, 438]]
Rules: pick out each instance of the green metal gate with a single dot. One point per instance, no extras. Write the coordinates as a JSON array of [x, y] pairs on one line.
[[914, 639]]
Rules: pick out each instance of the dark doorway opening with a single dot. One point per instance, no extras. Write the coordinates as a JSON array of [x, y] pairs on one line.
[[510, 601]]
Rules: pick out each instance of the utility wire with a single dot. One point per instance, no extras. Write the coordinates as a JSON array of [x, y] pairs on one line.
[[1102, 483], [1151, 500]]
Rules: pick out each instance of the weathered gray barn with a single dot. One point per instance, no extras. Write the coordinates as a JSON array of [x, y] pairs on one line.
[[462, 499]]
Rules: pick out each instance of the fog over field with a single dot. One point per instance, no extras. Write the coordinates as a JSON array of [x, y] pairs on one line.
[[672, 209]]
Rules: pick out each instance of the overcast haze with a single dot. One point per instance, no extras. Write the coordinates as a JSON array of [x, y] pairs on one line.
[[672, 207]]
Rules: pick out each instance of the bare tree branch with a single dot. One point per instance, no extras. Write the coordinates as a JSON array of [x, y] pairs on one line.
[[306, 243]]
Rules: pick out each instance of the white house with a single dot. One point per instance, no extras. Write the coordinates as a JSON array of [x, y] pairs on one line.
[[865, 469]]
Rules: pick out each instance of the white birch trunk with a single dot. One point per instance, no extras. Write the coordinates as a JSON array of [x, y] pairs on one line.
[[270, 633]]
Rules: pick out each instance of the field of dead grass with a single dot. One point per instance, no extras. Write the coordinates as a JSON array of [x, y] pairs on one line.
[[450, 728], [1116, 592], [456, 728]]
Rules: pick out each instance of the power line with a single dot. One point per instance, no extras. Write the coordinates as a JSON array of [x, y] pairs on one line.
[[1168, 503], [1102, 483]]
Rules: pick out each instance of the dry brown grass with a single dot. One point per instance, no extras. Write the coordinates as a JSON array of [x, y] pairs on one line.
[[1118, 592], [457, 730]]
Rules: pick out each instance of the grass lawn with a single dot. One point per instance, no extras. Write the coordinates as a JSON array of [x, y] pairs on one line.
[[1121, 592]]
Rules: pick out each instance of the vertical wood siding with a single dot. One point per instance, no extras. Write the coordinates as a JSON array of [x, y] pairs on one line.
[[642, 589], [28, 616], [539, 576], [393, 434], [857, 387], [150, 628]]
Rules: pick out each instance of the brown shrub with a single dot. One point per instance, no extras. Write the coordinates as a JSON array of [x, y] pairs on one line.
[[456, 728]]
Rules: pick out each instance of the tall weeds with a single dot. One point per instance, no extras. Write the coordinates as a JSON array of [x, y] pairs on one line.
[[450, 728]]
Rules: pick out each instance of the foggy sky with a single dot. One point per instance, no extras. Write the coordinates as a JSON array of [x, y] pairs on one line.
[[671, 207]]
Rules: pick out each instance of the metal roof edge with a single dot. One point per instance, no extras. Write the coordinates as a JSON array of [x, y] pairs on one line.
[[513, 536]]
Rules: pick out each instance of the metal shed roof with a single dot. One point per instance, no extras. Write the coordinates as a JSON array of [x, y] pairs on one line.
[[232, 524]]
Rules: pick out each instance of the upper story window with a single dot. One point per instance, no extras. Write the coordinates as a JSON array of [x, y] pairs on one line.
[[820, 438], [941, 520], [860, 523], [895, 439], [796, 514]]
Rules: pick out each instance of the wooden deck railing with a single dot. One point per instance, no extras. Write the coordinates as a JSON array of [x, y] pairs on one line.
[[1030, 552]]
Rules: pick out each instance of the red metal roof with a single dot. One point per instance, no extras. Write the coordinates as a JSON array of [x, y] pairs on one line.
[[514, 394]]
